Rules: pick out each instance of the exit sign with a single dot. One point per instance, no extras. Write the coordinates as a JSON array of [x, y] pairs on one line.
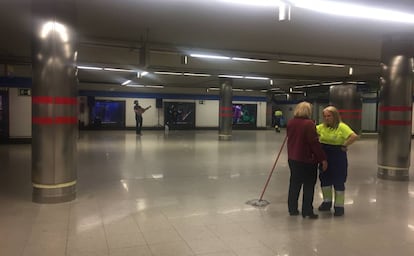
[[25, 92]]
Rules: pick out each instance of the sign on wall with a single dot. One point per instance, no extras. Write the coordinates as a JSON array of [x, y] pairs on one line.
[[25, 92]]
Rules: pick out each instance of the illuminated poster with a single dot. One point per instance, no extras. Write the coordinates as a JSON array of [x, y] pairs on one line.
[[244, 115], [179, 115]]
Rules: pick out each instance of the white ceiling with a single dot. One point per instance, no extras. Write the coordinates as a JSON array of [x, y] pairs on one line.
[[111, 33]]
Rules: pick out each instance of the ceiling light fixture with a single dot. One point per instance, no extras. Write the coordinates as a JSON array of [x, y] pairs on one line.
[[256, 78], [230, 76], [89, 68], [306, 86], [154, 86], [126, 82], [295, 63], [249, 59], [328, 65], [142, 74], [357, 82], [197, 74], [333, 83], [353, 10], [168, 73], [210, 56], [119, 70], [135, 85], [351, 71], [262, 3], [275, 89], [184, 59], [284, 12], [311, 64]]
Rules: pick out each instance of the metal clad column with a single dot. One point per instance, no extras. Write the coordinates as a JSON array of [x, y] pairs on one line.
[[349, 104], [54, 101], [225, 109], [269, 109], [395, 108]]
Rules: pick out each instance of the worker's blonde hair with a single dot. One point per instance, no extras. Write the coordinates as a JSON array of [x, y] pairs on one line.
[[335, 114]]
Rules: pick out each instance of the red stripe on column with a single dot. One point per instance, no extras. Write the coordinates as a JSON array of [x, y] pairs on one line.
[[351, 116], [66, 120], [42, 120], [395, 108], [395, 122], [226, 108], [66, 100], [350, 111], [56, 100], [42, 100], [56, 120]]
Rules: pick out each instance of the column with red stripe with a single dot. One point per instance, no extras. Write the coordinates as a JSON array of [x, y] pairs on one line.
[[54, 101], [225, 109], [394, 141], [347, 100], [68, 116], [395, 108], [55, 131]]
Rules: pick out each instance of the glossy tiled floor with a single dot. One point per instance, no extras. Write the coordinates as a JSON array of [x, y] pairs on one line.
[[184, 194]]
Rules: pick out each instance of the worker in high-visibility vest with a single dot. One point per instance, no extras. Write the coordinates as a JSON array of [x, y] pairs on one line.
[[278, 116]]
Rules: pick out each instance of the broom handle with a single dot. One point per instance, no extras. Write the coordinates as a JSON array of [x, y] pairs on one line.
[[273, 168]]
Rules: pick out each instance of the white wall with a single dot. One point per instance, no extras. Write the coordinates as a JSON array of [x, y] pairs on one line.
[[207, 113], [369, 119], [20, 115]]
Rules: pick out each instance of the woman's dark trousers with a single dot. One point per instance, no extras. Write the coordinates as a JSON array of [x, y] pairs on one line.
[[302, 174]]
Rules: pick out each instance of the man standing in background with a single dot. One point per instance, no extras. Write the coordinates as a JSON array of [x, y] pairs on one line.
[[138, 116]]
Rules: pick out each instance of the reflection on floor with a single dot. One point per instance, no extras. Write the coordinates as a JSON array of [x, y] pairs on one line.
[[184, 193]]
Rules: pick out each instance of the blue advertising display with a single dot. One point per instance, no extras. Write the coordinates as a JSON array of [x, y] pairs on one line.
[[108, 114]]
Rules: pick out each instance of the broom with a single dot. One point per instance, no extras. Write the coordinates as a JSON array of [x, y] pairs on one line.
[[260, 202]]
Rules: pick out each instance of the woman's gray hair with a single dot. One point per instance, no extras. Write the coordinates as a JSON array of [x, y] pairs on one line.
[[303, 109]]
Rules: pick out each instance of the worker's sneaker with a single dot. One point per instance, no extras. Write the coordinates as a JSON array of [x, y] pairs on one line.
[[339, 211]]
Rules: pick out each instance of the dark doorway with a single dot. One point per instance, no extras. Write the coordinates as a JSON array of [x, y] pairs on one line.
[[4, 115]]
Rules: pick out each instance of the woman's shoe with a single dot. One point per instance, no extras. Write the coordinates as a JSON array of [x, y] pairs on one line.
[[294, 213], [310, 216], [325, 206], [339, 211]]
